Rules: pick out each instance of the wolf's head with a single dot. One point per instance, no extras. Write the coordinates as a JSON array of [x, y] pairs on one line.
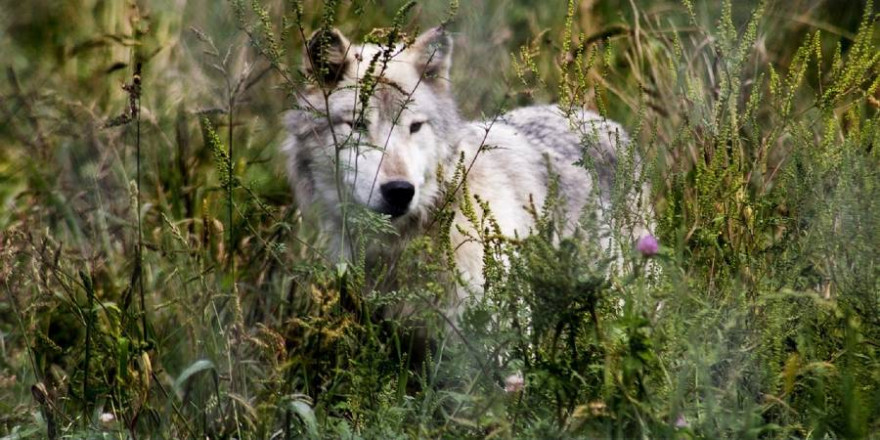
[[374, 125]]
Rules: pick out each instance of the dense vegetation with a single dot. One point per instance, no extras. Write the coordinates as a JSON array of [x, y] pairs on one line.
[[158, 280]]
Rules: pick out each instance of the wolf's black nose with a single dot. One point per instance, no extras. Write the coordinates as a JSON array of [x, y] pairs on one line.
[[397, 195]]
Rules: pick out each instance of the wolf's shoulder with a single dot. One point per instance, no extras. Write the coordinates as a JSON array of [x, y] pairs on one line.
[[567, 133], [545, 121]]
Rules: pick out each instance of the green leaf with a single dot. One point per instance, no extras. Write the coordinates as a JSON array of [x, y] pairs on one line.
[[301, 406], [195, 368]]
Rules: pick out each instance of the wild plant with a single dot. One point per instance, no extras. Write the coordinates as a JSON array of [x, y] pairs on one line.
[[158, 280]]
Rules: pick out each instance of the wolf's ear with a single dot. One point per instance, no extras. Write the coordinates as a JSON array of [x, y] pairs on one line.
[[434, 55], [327, 56]]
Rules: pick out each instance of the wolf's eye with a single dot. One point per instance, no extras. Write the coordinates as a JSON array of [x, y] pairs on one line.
[[357, 125], [415, 127]]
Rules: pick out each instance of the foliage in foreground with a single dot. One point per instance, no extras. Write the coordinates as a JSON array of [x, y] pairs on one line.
[[157, 281]]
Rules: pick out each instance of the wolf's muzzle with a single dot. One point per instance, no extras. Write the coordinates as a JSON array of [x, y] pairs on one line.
[[397, 195]]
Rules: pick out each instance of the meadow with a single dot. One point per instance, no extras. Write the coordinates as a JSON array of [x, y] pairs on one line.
[[158, 280]]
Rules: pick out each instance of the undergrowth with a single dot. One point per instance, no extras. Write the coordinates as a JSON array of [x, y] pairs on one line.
[[159, 281]]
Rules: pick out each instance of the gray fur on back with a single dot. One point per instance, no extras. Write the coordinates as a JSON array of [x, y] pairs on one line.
[[569, 137]]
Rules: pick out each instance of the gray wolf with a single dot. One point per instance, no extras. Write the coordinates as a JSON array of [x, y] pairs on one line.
[[381, 151]]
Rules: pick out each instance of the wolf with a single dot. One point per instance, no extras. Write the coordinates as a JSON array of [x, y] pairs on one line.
[[376, 124]]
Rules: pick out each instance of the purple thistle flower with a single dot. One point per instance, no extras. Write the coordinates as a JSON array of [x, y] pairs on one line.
[[681, 422], [648, 246]]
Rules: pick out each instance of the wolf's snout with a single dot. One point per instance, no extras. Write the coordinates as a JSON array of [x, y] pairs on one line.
[[397, 195]]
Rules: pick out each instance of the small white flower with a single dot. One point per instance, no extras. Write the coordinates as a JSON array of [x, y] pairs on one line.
[[514, 383], [107, 418], [682, 422]]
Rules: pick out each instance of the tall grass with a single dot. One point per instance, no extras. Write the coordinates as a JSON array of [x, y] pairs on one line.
[[159, 281]]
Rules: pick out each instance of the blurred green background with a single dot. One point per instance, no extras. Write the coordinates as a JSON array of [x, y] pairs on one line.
[[235, 328]]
